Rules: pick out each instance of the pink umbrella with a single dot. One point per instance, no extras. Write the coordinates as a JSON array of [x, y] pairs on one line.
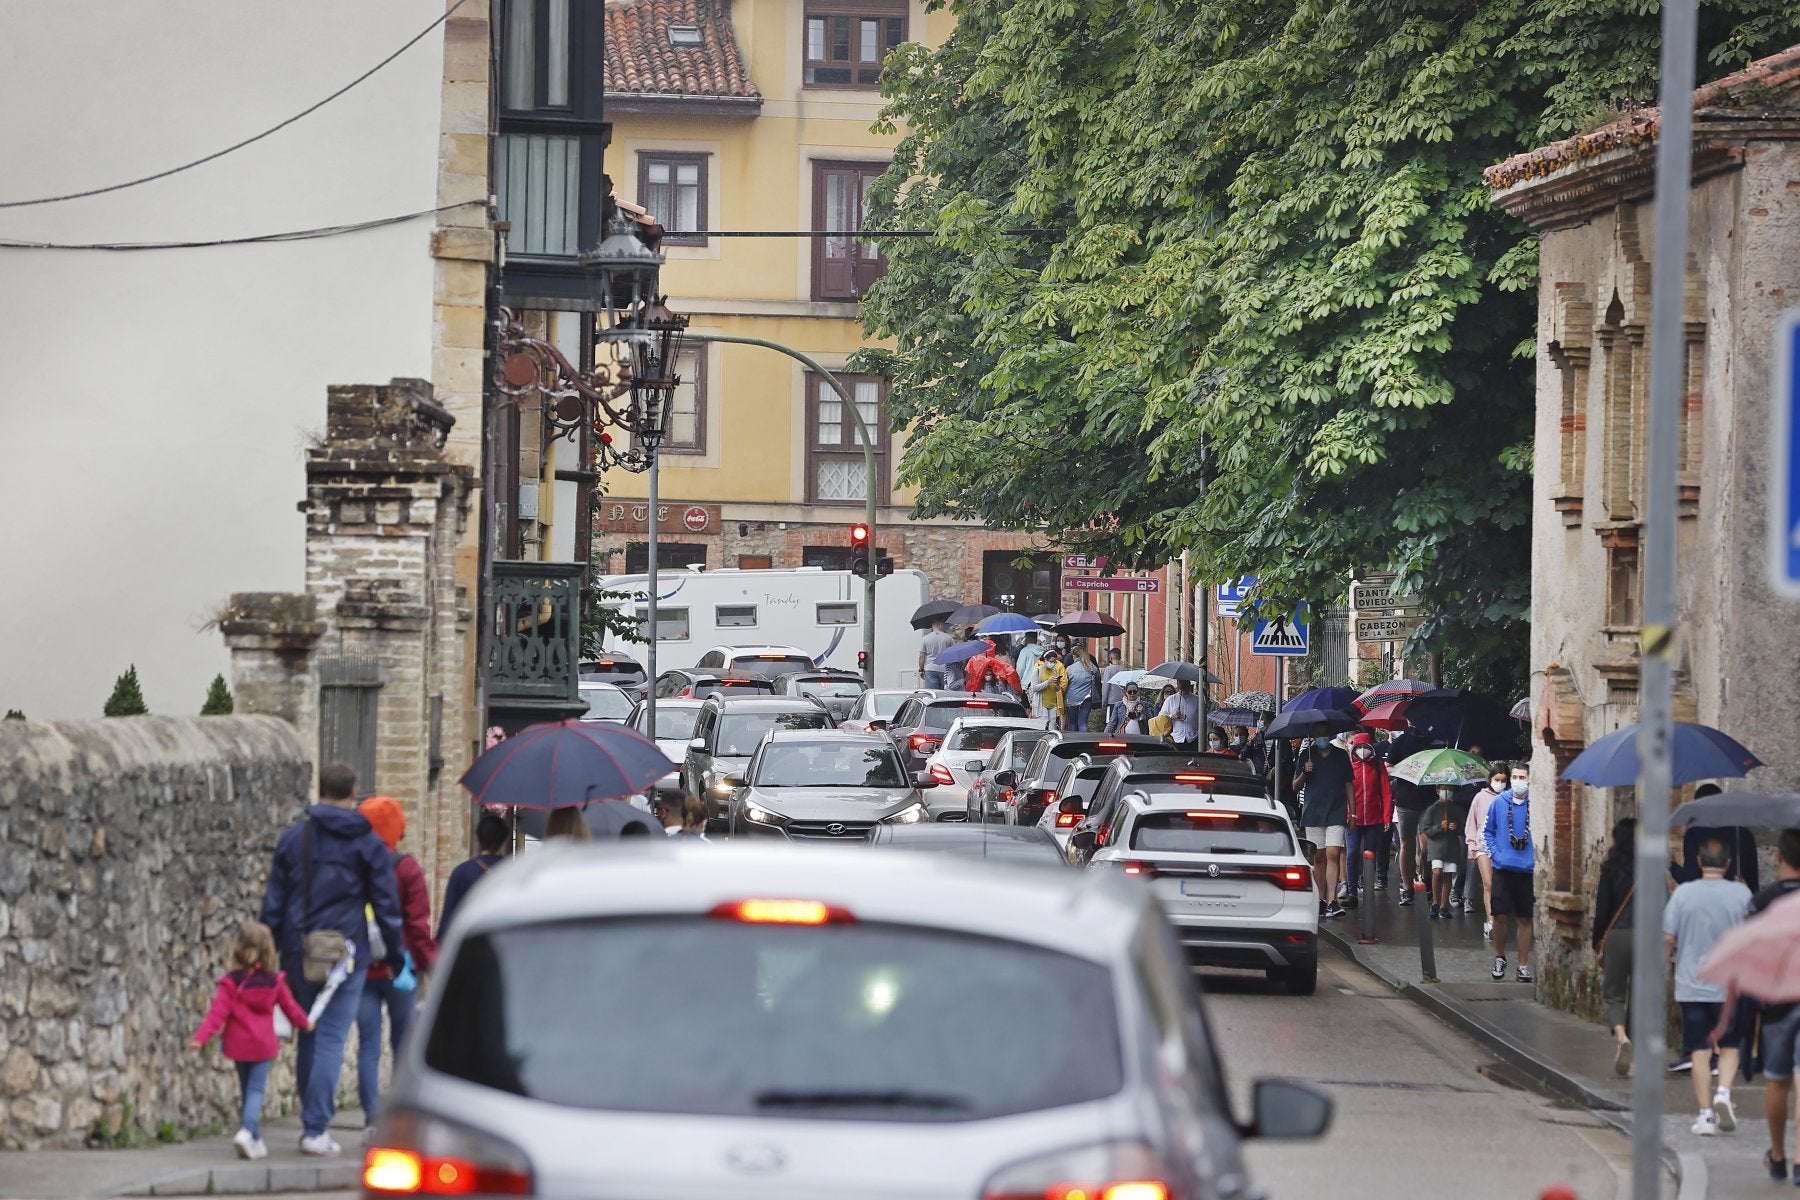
[[1761, 957]]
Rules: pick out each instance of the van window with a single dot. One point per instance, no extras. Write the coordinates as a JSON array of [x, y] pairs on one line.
[[735, 616], [671, 624], [837, 614]]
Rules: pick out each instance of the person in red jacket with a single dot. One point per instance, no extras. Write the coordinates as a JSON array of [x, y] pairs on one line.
[[1371, 810], [382, 989], [244, 1007], [994, 673]]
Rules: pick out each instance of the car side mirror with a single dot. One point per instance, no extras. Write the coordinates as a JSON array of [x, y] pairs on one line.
[[732, 781], [1280, 1109], [1082, 839], [877, 723], [1005, 778], [975, 764], [697, 744], [924, 780]]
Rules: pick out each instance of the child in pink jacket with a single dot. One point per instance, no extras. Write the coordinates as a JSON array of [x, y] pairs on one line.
[[244, 1006]]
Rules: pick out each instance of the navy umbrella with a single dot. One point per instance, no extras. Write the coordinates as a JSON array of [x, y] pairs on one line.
[[1464, 719], [1700, 752], [563, 764], [1340, 698], [1183, 671], [971, 614], [963, 652], [1311, 722]]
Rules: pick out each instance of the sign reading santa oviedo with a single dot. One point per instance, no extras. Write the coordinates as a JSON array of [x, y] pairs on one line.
[[676, 516]]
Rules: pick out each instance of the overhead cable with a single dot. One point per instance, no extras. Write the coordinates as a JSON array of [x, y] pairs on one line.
[[292, 235]]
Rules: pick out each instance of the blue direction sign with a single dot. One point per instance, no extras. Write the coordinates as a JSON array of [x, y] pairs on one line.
[[1784, 481], [1230, 596], [1281, 635]]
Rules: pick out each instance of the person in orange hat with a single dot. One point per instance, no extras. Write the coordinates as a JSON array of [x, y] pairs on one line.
[[382, 989]]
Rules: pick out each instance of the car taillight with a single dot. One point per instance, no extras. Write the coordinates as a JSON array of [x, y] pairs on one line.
[[1109, 1171], [1138, 868], [920, 741], [766, 911], [685, 693], [1194, 778], [415, 1155], [1215, 815], [1067, 820], [976, 704], [941, 774], [1294, 879]]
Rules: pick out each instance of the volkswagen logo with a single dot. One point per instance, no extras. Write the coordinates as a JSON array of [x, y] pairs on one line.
[[1212, 870], [835, 829], [755, 1158]]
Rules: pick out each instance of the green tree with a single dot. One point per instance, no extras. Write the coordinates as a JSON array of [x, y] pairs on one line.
[[13, 714], [1270, 317], [218, 699], [600, 620], [127, 699]]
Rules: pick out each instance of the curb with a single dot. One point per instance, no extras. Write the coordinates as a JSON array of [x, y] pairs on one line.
[[247, 1179]]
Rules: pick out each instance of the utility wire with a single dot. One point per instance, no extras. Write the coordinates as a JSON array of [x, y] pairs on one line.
[[131, 183], [292, 235]]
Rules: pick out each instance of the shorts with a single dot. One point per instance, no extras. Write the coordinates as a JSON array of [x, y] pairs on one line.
[[1781, 1045], [1446, 865], [1327, 835], [1698, 1019], [1512, 895]]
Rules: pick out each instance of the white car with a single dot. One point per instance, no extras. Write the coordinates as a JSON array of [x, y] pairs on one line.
[[1230, 875], [678, 1020], [766, 661], [674, 729], [605, 702], [872, 709], [961, 756]]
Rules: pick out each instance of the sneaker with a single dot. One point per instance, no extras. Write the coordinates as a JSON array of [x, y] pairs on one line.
[[1727, 1115], [1680, 1065], [1381, 885], [1499, 971], [1405, 899], [1334, 911], [1434, 914], [1622, 1058], [1777, 1167], [1487, 929], [1468, 904], [258, 1149], [1343, 890], [243, 1139], [321, 1145], [1524, 973], [1706, 1125]]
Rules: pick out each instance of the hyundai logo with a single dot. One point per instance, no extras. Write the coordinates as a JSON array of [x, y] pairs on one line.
[[835, 829], [1213, 870]]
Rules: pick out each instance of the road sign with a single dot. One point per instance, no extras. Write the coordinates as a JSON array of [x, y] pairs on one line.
[[1377, 596], [1387, 629], [1084, 562], [1784, 482], [1094, 583], [1280, 636], [1230, 596]]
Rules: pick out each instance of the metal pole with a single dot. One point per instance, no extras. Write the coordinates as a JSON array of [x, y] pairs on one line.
[[871, 479], [1202, 603], [1668, 286], [650, 583]]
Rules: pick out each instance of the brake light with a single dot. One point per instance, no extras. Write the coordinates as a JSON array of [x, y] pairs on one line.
[[920, 741], [1067, 820], [607, 662], [1110, 746], [684, 693], [1295, 879], [1138, 868], [941, 774], [1109, 1171], [976, 704], [765, 911], [1203, 815], [424, 1156], [1195, 778]]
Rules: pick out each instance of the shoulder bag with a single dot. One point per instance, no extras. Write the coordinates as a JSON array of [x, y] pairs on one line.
[[1617, 913]]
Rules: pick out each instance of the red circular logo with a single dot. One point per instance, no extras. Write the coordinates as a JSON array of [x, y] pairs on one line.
[[695, 519]]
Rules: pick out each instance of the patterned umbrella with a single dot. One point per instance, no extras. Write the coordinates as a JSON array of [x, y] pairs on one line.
[[1761, 957], [1439, 768], [1393, 689], [1522, 711], [1242, 717], [1261, 702]]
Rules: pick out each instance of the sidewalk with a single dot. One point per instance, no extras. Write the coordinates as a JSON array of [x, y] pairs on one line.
[[207, 1166], [1551, 1051]]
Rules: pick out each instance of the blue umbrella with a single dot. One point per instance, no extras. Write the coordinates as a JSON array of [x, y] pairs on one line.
[[1325, 699], [1007, 623], [963, 652], [1700, 752], [564, 764], [1311, 722]]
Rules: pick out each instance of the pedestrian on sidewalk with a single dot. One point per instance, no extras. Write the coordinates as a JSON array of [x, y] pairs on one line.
[[1699, 912], [1443, 827], [1780, 1026], [1480, 862], [1182, 708], [1371, 812], [1612, 914], [996, 676], [1111, 693], [492, 833], [1129, 714], [1462, 891], [1084, 688], [933, 643], [1740, 843], [1325, 815], [1410, 802], [329, 876], [1507, 835], [1047, 687], [386, 991], [244, 1008], [1026, 660]]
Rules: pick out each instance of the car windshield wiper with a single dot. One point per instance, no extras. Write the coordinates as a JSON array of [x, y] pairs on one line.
[[850, 1098]]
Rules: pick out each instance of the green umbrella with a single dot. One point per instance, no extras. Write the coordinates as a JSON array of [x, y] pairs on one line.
[[1439, 768]]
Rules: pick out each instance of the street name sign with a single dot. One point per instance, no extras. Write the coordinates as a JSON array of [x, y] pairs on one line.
[[1083, 562], [1784, 481], [1094, 583], [1380, 596], [1229, 599], [1283, 636], [1387, 629]]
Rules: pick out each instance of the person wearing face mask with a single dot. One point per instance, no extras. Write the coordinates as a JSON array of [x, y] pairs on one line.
[[1475, 835], [1507, 835], [1371, 811]]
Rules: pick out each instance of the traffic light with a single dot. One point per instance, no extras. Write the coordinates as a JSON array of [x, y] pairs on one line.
[[884, 565], [862, 660], [859, 536], [859, 566]]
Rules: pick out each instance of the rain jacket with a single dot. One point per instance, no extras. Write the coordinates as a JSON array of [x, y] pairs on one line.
[[993, 669], [1506, 819], [351, 870], [1370, 792], [1054, 680], [244, 1007]]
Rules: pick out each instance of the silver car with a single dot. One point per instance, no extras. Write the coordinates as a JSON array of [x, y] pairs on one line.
[[675, 721], [726, 735], [686, 1021], [807, 787]]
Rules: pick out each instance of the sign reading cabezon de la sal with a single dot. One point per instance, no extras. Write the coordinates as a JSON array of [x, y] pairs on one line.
[[672, 516]]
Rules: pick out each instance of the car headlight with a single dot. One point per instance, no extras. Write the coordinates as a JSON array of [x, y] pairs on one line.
[[912, 814], [715, 783], [761, 816]]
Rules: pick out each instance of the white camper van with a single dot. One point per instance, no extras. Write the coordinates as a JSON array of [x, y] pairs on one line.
[[817, 611]]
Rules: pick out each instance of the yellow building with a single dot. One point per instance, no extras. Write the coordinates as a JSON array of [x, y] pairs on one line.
[[754, 117]]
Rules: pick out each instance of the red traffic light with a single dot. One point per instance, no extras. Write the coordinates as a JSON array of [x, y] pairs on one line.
[[859, 536]]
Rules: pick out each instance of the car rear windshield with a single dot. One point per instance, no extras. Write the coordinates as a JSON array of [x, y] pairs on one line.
[[889, 704], [978, 737], [770, 665], [672, 724], [739, 732], [606, 702], [941, 714], [1022, 745], [828, 764], [1211, 833], [831, 689], [719, 1017]]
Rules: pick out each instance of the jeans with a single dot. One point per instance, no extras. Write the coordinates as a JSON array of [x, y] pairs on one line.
[[376, 993], [319, 1055], [1078, 715], [253, 1081], [933, 677], [1367, 837]]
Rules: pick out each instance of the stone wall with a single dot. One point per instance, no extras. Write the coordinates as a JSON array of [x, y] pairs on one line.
[[130, 849]]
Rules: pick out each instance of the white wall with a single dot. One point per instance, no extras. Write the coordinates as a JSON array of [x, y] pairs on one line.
[[155, 406]]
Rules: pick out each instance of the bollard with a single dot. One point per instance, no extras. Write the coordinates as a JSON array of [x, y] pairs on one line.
[[1368, 898], [1427, 956]]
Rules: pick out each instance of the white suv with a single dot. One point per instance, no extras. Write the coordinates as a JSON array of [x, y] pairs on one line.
[[1230, 875], [766, 661]]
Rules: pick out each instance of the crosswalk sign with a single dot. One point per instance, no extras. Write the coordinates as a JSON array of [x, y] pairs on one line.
[[1286, 635]]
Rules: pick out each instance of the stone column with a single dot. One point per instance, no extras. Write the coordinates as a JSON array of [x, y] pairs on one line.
[[272, 636]]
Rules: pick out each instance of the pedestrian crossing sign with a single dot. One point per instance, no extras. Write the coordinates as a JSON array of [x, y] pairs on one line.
[[1287, 635]]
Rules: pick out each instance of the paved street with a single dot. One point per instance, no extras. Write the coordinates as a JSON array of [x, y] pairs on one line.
[[1412, 1101]]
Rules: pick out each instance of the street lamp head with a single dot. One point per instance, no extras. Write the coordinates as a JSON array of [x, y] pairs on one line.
[[625, 269]]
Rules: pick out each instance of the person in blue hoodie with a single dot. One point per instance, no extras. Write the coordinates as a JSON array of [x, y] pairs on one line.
[[330, 870], [1507, 835]]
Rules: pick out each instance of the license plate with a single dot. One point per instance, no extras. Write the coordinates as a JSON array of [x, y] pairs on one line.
[[1211, 890]]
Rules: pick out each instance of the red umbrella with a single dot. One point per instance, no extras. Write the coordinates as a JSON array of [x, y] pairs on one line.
[[1761, 957], [1390, 714]]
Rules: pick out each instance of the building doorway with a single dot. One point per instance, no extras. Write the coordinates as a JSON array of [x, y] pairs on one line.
[[1032, 589]]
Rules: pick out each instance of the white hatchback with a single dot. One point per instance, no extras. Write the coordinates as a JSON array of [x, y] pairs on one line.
[[960, 757]]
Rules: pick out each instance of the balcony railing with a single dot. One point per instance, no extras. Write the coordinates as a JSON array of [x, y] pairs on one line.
[[537, 638]]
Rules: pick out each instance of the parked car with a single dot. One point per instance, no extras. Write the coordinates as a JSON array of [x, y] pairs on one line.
[[1231, 877], [726, 735], [792, 1023], [918, 727], [1003, 842], [962, 755], [604, 701], [823, 787], [1032, 787], [686, 683], [873, 709], [766, 661], [1212, 773], [675, 720], [621, 670], [1070, 795], [836, 690], [989, 793]]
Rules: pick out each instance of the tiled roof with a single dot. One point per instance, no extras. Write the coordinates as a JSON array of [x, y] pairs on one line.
[[1765, 83], [641, 61]]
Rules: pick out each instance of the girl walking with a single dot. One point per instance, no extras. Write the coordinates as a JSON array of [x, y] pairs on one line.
[[244, 1007], [1612, 914]]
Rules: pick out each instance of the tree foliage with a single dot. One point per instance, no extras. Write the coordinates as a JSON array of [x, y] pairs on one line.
[[13, 714], [127, 699], [1269, 315], [218, 699]]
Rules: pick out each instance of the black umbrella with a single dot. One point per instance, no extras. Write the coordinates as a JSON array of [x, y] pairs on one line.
[[970, 614], [1462, 718], [1183, 671], [931, 612], [1755, 809], [1311, 722]]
